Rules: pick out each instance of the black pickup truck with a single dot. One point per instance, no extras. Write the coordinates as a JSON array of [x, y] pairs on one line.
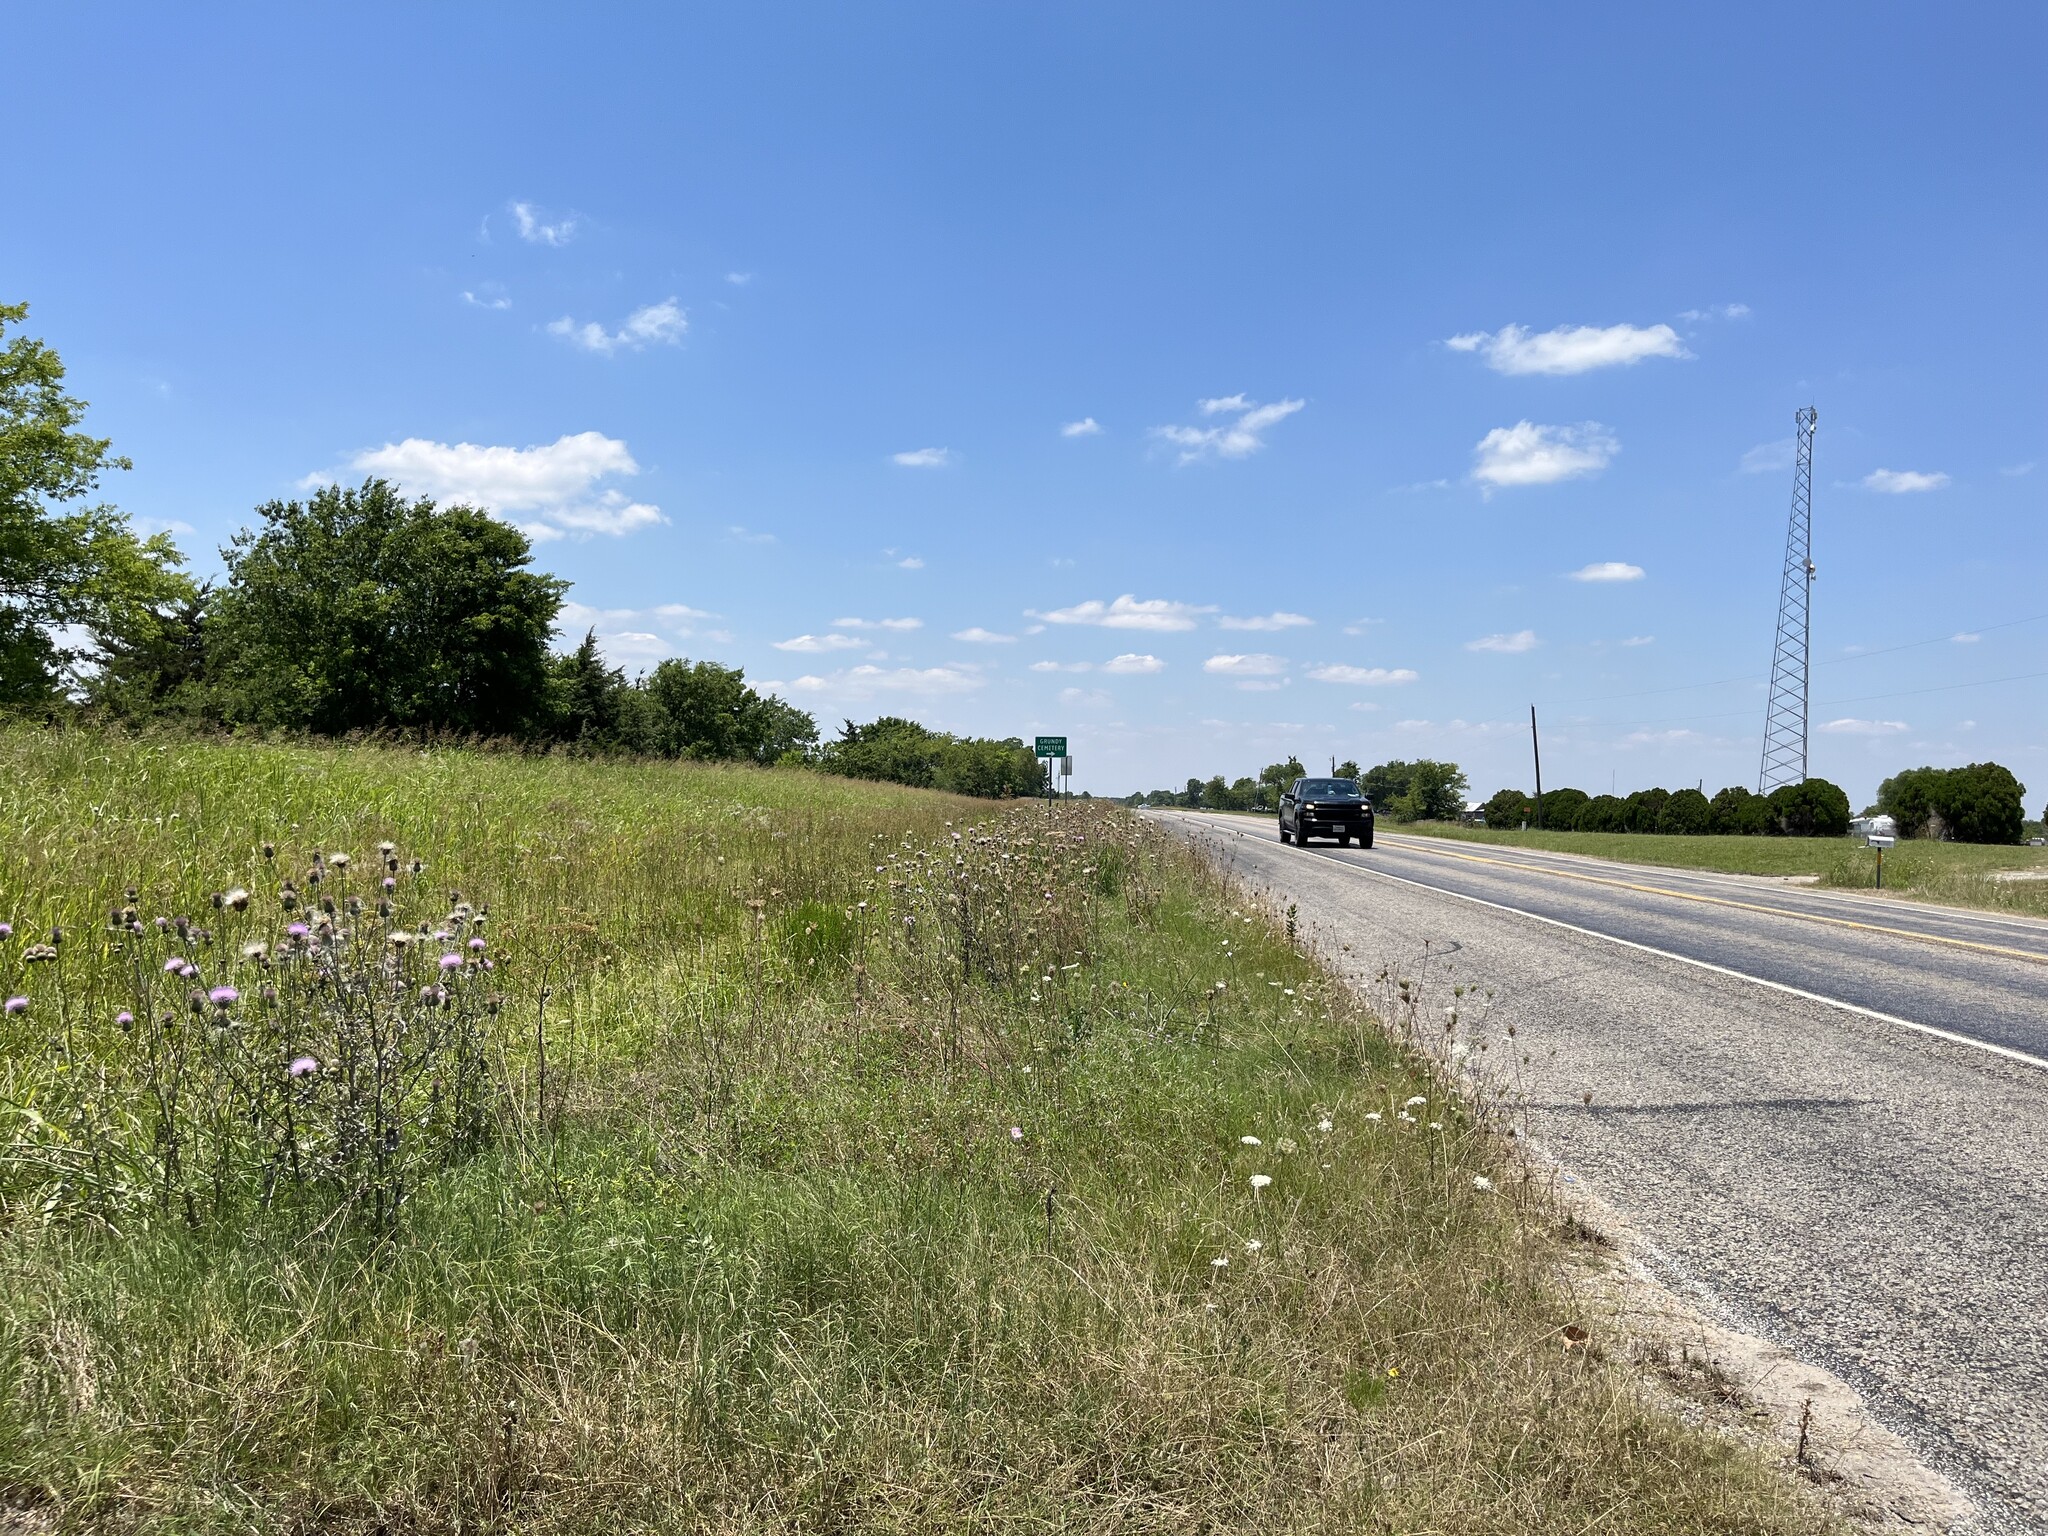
[[1325, 808]]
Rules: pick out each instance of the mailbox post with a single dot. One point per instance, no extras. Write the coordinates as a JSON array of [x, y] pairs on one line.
[[1880, 842]]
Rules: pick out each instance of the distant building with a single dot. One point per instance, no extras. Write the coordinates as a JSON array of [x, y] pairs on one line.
[[1879, 826], [1474, 814]]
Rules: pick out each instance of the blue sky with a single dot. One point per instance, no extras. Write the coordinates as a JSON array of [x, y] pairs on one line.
[[1266, 379]]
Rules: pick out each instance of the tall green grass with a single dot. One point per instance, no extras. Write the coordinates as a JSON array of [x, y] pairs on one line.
[[900, 1163]]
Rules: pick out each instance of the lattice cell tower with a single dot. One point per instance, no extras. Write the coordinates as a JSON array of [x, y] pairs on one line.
[[1785, 717]]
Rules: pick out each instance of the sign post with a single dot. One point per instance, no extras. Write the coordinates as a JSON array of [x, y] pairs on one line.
[[1050, 747]]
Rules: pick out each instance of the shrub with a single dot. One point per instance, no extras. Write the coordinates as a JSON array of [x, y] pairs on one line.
[[1814, 808], [1739, 812], [1509, 808], [1981, 803], [1644, 807], [1603, 813], [1561, 808], [1686, 814]]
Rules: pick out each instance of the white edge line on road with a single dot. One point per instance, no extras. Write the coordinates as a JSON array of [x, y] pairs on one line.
[[1720, 970], [1949, 1035]]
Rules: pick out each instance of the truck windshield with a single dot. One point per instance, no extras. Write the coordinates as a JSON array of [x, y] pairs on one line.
[[1329, 789]]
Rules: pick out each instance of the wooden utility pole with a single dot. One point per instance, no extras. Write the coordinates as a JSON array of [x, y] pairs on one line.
[[1536, 751]]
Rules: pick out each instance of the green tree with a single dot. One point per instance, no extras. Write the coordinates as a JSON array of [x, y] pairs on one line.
[[1814, 808], [590, 699], [1244, 794], [1561, 808], [63, 564], [1980, 803], [1216, 795], [1912, 799], [1740, 812], [1347, 769], [1602, 813], [1644, 807], [1435, 792], [1687, 813], [1192, 796], [1385, 783], [1509, 808], [357, 609], [155, 667]]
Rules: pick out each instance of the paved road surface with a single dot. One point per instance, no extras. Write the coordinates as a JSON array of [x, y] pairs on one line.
[[1828, 1111]]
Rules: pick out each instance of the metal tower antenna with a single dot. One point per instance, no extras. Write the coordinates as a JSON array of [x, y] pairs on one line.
[[1785, 717]]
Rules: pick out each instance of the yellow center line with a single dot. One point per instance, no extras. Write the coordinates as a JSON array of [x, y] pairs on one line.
[[1723, 901]]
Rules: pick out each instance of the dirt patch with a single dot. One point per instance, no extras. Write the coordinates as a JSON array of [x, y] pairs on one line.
[[1808, 1417]]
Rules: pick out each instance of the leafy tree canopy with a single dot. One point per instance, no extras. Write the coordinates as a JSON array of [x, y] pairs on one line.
[[1814, 808], [63, 564]]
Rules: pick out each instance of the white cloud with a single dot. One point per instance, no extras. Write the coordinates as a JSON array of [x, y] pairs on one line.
[[1965, 638], [1132, 664], [1569, 348], [1360, 626], [538, 228], [910, 563], [1901, 482], [1528, 454], [1234, 440], [923, 458], [739, 279], [634, 637], [812, 644], [1521, 640], [553, 482], [900, 625], [1262, 685], [1087, 426], [856, 685], [1268, 622], [1063, 666], [979, 636], [651, 324], [487, 296], [150, 526], [1640, 640], [743, 535], [1127, 612], [1418, 485], [1362, 677], [1716, 312], [1608, 570], [1769, 457], [1866, 727], [2014, 471], [1256, 664], [1088, 698]]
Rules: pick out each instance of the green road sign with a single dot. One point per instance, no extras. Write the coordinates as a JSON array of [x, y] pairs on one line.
[[1052, 746]]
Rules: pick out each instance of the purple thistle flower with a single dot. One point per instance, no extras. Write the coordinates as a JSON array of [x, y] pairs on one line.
[[188, 970], [174, 965], [477, 945], [6, 930], [222, 996], [390, 884], [124, 1018], [17, 1005], [301, 1065], [450, 962], [298, 930]]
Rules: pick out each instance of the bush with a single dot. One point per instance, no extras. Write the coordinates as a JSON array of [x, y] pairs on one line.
[[1981, 803], [1686, 814], [1739, 812], [1814, 808], [1509, 808], [1603, 813], [1561, 808]]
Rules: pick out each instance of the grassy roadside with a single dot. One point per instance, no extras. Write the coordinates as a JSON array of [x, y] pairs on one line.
[[902, 1165], [1958, 874]]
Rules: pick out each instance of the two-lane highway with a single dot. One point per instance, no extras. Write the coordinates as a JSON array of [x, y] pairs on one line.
[[1828, 1111]]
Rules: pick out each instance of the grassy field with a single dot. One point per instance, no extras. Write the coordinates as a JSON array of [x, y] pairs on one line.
[[850, 1158], [1956, 873]]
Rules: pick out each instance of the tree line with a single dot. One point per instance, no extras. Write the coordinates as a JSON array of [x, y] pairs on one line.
[[357, 609], [1815, 808], [1423, 790]]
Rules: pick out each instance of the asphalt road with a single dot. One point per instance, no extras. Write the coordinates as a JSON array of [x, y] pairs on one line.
[[1827, 1112]]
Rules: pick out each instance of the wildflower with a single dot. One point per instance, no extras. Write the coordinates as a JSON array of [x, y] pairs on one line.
[[270, 850], [1324, 1125], [6, 930], [237, 898], [222, 997], [451, 962], [390, 884], [301, 1065], [400, 939], [1405, 1118], [387, 849], [125, 1019], [17, 1005], [39, 954], [1253, 1245], [1016, 1133], [1436, 1125], [430, 995], [1219, 1262], [1415, 1103], [298, 930], [1251, 1141], [1373, 1115], [188, 970], [477, 945], [1260, 1180], [1286, 1146], [339, 860], [1287, 991], [1481, 1182], [255, 951]]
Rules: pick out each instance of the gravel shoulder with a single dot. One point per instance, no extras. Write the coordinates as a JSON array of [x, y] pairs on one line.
[[1865, 1200]]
